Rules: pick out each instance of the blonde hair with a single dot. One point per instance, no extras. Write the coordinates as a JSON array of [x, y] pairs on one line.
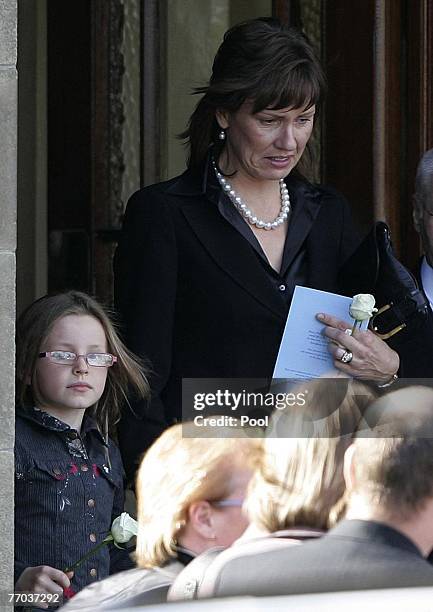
[[299, 481], [177, 471]]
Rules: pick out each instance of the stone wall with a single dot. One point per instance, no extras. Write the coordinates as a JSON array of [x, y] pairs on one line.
[[8, 172]]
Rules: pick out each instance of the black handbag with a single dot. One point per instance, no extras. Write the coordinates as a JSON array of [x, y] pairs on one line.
[[373, 268]]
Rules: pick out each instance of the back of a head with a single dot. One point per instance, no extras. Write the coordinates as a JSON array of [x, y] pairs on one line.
[[404, 412], [299, 481], [178, 470], [393, 460]]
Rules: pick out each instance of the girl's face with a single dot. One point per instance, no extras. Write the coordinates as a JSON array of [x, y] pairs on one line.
[[66, 389]]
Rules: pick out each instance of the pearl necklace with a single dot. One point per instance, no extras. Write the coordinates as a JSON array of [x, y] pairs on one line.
[[247, 213]]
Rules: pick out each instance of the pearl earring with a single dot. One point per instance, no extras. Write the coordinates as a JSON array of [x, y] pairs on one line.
[[222, 135]]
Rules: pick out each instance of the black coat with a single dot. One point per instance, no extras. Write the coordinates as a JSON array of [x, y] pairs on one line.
[[196, 300]]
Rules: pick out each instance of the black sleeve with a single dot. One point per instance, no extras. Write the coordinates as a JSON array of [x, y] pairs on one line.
[[145, 285]]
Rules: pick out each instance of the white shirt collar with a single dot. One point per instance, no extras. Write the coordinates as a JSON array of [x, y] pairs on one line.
[[427, 280]]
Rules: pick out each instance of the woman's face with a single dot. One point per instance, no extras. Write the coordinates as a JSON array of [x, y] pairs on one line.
[[266, 145]]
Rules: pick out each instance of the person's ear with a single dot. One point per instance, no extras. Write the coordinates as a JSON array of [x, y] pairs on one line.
[[222, 118], [349, 468], [200, 516], [416, 214]]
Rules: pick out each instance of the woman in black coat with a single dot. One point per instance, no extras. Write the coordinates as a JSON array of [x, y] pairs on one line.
[[208, 261]]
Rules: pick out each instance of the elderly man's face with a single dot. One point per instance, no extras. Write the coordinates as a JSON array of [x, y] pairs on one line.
[[423, 221]]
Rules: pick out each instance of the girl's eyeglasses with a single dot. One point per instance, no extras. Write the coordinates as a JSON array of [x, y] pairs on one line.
[[99, 360]]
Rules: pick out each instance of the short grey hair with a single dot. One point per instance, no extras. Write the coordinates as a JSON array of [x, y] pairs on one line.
[[424, 179]]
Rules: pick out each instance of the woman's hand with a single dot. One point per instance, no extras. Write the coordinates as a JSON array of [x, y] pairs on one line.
[[43, 579], [372, 358]]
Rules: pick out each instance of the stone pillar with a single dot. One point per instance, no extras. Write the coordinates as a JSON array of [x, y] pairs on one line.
[[8, 204]]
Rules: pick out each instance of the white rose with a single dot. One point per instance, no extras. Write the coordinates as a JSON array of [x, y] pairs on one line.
[[362, 306], [123, 528]]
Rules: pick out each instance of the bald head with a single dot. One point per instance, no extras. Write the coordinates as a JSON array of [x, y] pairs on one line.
[[405, 412]]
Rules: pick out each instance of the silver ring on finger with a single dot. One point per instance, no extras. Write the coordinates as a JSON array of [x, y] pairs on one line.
[[346, 357]]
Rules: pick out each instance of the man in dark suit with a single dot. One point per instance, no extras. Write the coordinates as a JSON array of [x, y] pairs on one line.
[[388, 530], [423, 219]]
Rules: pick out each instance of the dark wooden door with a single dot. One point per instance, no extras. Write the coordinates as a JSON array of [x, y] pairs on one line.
[[378, 118], [85, 165], [378, 121], [69, 121]]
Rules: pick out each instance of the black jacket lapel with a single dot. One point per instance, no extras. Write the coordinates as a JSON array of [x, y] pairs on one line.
[[234, 256], [221, 240], [305, 202]]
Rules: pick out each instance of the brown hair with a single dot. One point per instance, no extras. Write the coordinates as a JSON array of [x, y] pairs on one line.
[[260, 60], [395, 474], [35, 324], [177, 471]]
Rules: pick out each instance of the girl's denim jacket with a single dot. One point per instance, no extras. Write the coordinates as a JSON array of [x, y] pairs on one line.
[[66, 496]]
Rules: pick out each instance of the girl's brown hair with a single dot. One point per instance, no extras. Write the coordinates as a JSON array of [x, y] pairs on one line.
[[126, 377]]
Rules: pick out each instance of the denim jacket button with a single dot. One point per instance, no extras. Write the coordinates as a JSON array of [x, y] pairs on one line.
[[92, 537], [93, 572], [91, 503]]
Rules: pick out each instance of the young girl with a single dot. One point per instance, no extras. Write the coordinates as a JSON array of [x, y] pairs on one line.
[[72, 374]]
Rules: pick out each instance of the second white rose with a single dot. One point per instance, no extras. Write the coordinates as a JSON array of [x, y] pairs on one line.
[[124, 527]]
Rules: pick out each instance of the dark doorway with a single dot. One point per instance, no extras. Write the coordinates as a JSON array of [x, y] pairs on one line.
[[69, 95]]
